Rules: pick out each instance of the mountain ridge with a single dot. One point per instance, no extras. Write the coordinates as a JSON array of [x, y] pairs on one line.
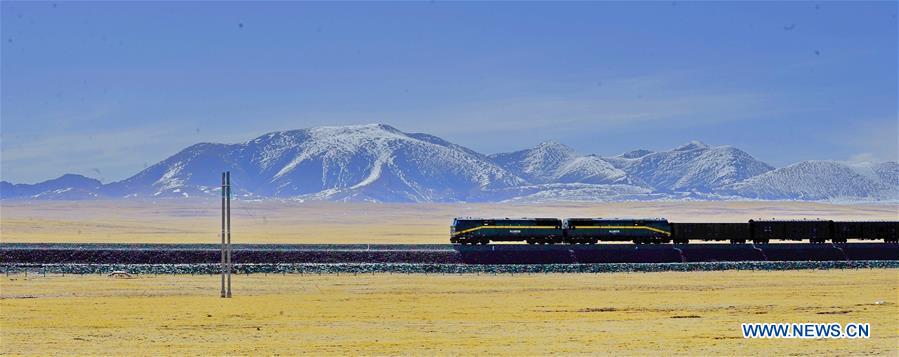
[[380, 163]]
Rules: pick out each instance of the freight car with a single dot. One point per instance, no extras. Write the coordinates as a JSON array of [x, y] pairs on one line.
[[659, 230], [734, 232], [814, 231], [485, 230], [845, 230]]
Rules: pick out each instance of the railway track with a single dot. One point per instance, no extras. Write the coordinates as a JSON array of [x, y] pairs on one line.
[[68, 253]]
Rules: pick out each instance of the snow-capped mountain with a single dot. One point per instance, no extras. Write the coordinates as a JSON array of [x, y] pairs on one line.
[[552, 162], [691, 167], [363, 162], [380, 163], [538, 164], [822, 180]]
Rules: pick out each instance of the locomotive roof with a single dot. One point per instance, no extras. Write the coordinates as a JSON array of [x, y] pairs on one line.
[[618, 219], [503, 218]]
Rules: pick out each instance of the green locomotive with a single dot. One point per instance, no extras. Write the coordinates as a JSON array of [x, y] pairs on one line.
[[592, 230], [483, 231]]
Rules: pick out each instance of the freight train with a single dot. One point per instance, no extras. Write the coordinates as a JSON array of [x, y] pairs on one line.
[[659, 230]]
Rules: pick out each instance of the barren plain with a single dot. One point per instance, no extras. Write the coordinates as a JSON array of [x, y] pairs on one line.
[[198, 221]]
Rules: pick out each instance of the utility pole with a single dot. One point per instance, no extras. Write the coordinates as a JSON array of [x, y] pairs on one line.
[[228, 179], [226, 234]]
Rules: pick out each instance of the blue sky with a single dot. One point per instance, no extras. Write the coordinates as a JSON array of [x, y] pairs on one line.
[[105, 88]]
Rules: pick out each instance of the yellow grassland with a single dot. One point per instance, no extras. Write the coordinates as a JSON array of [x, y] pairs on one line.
[[197, 221], [696, 313]]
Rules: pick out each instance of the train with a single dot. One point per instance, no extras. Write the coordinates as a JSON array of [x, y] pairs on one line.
[[471, 231]]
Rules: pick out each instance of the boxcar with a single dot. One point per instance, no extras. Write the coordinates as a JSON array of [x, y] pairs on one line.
[[485, 230], [815, 231], [734, 232], [591, 230], [843, 231]]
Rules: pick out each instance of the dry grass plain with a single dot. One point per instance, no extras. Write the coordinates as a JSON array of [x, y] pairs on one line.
[[695, 313], [197, 221]]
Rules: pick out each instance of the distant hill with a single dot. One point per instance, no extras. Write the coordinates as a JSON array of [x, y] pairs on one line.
[[65, 187], [383, 164], [691, 167], [821, 180]]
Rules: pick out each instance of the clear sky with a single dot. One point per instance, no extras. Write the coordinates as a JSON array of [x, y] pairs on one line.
[[105, 88]]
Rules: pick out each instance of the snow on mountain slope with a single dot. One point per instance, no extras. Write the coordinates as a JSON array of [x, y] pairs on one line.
[[579, 192], [691, 167], [574, 192], [819, 180], [362, 162], [887, 172], [636, 154], [538, 164], [591, 169], [439, 141], [194, 171], [551, 162]]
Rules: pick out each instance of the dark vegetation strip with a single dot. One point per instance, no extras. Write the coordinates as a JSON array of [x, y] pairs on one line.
[[446, 254], [369, 268]]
